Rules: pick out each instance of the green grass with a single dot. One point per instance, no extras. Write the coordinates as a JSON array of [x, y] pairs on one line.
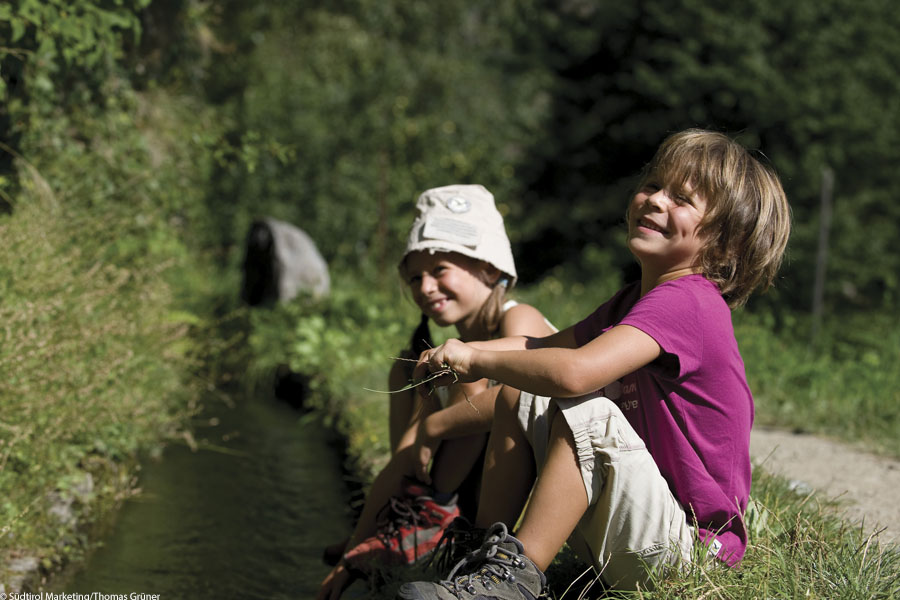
[[800, 547], [847, 386], [107, 339], [345, 343], [100, 358]]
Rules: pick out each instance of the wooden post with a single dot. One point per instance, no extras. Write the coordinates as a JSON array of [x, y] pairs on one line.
[[825, 209]]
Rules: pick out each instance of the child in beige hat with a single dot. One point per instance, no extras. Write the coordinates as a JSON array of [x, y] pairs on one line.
[[458, 265]]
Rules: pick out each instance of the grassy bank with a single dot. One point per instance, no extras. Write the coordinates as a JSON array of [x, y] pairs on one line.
[[799, 546], [111, 311], [97, 349]]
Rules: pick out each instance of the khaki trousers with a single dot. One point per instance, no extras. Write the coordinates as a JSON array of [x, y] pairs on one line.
[[633, 525]]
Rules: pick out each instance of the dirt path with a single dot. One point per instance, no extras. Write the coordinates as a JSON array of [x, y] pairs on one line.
[[867, 485]]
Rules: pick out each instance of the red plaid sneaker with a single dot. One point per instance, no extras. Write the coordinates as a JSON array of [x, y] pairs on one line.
[[409, 534]]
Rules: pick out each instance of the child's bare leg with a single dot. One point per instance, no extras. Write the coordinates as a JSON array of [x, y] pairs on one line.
[[508, 466], [388, 483], [454, 460], [400, 414], [402, 406], [558, 501]]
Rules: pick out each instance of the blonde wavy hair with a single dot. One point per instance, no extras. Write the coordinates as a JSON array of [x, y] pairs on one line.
[[747, 221]]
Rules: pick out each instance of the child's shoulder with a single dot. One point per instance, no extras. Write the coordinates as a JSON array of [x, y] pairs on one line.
[[690, 291], [691, 305], [523, 319]]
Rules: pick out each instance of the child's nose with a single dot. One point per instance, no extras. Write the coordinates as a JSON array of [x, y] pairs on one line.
[[658, 199], [428, 284]]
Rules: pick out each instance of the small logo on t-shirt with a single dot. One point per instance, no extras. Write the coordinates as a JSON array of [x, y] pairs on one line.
[[622, 393]]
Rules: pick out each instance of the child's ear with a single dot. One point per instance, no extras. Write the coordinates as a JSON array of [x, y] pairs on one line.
[[493, 273]]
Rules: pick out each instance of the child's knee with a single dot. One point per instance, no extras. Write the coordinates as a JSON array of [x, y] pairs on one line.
[[560, 429], [508, 401]]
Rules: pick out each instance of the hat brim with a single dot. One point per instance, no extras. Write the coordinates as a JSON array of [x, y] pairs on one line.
[[432, 246]]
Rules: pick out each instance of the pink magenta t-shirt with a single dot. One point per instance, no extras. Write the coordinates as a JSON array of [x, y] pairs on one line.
[[691, 406]]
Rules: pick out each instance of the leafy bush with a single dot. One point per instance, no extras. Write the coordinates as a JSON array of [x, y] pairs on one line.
[[373, 112], [96, 347], [344, 344], [46, 39]]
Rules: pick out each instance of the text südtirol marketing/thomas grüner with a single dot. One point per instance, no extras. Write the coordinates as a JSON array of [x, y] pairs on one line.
[[76, 596]]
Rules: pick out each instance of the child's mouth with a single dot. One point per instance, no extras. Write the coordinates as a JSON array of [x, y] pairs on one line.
[[436, 305], [644, 223]]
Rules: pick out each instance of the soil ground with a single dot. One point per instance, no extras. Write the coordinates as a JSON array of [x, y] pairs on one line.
[[866, 485]]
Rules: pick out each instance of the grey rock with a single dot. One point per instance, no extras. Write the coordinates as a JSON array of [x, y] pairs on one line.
[[280, 262]]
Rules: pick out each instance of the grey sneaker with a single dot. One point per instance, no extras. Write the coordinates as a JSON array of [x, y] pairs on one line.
[[499, 570]]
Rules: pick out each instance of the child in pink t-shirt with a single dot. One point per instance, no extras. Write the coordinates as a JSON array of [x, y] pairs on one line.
[[631, 434]]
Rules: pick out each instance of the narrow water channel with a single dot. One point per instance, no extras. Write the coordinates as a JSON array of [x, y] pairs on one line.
[[246, 515]]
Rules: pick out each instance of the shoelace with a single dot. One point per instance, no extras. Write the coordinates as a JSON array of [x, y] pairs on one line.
[[400, 512], [460, 535], [496, 565]]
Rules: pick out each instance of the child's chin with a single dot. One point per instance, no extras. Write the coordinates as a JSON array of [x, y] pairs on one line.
[[441, 321]]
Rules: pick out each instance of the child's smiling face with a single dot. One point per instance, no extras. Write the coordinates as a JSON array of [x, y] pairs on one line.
[[663, 229], [445, 286]]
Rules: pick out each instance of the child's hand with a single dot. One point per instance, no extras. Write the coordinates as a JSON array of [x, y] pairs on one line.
[[415, 451], [335, 583], [452, 354]]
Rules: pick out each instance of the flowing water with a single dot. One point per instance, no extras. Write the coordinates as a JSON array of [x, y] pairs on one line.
[[246, 515]]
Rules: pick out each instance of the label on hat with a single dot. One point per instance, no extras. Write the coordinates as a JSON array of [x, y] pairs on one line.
[[451, 230]]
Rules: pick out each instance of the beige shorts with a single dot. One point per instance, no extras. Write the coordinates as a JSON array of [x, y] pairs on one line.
[[633, 524]]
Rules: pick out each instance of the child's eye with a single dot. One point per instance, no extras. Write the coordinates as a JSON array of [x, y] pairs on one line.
[[413, 280]]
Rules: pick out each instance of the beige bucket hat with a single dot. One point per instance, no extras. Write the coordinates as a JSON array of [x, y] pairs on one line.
[[463, 219]]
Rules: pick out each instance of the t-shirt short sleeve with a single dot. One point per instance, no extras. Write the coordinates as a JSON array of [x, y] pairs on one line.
[[672, 316]]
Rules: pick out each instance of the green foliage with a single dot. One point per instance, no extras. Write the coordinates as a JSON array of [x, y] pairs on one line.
[[798, 549], [344, 344], [352, 108], [845, 386], [810, 84], [569, 293], [376, 109], [85, 385], [45, 43], [96, 349]]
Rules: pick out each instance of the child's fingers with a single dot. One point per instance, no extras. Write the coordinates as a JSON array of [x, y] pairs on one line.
[[421, 369], [422, 473], [334, 584]]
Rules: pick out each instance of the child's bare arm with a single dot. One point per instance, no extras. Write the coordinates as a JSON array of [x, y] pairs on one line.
[[560, 339], [551, 371], [403, 404], [466, 415]]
